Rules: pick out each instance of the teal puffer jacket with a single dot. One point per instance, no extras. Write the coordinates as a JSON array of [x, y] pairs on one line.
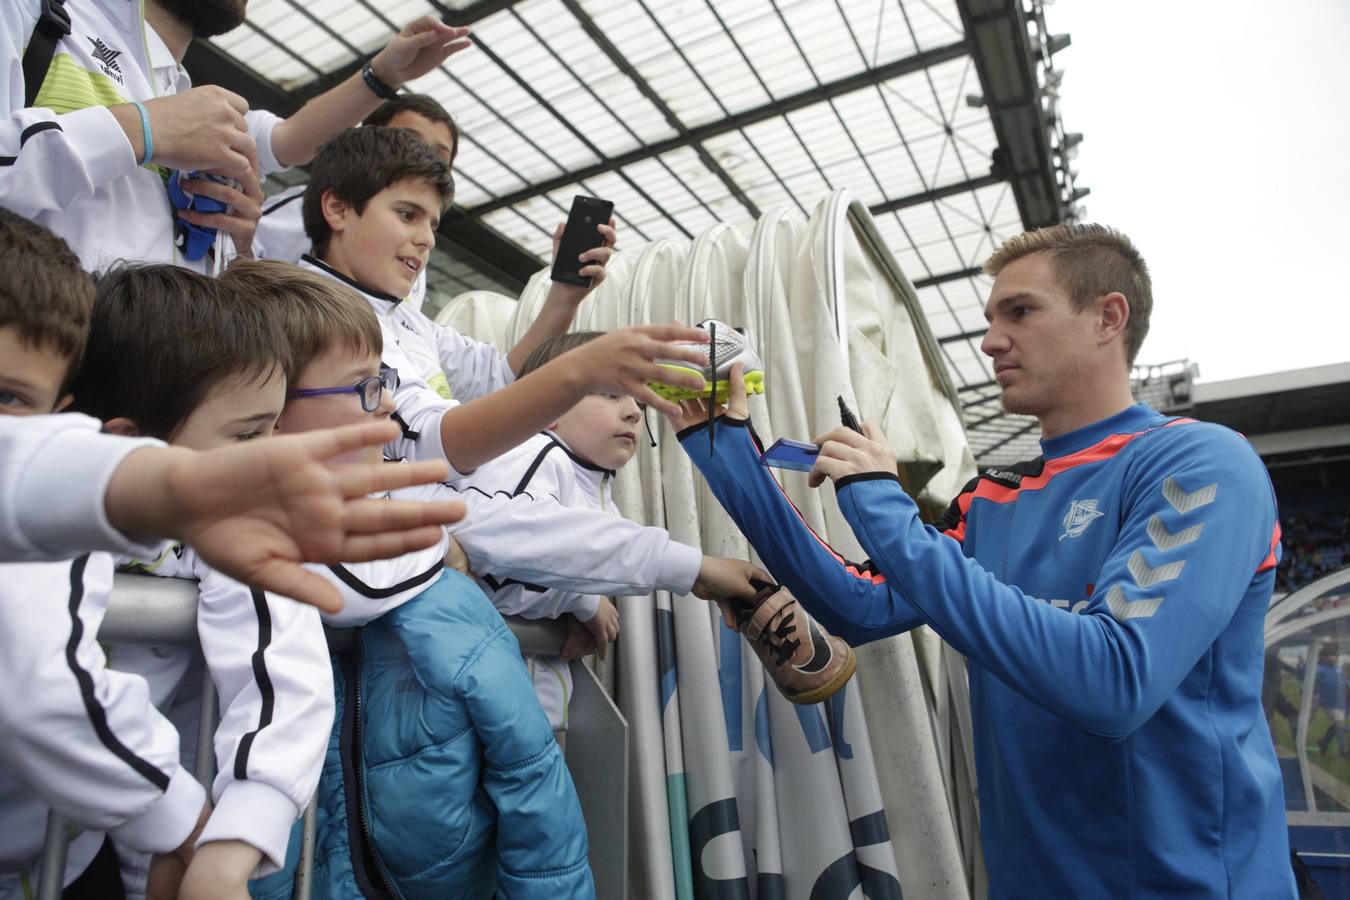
[[443, 779]]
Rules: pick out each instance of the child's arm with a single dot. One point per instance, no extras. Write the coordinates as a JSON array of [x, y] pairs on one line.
[[560, 307], [269, 660], [84, 738], [622, 362]]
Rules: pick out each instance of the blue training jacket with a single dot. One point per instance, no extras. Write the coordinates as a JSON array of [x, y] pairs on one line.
[[1109, 598], [443, 780]]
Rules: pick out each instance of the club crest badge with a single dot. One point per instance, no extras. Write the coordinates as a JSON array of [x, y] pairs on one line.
[[1081, 514]]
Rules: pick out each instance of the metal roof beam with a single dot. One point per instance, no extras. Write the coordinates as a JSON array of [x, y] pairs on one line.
[[938, 193], [1002, 53], [947, 277], [810, 97], [963, 336], [621, 62]]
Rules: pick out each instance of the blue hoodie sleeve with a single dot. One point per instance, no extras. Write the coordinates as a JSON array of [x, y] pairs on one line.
[[853, 600], [1199, 523]]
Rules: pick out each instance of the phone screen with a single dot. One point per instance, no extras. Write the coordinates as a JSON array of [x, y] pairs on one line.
[[579, 235]]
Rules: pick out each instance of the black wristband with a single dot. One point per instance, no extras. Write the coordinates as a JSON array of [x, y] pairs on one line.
[[382, 90]]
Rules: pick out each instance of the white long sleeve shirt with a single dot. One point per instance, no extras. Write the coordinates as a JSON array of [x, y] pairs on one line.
[[467, 368], [269, 661], [76, 736], [543, 466], [534, 540], [54, 477], [65, 162]]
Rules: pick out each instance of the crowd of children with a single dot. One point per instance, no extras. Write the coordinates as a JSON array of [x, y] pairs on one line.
[[431, 747]]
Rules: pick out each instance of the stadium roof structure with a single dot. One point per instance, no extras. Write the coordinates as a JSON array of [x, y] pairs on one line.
[[941, 115]]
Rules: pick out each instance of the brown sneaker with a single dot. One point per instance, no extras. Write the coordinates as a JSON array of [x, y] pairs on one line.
[[806, 662]]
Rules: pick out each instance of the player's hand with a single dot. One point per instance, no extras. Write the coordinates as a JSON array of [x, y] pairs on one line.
[[844, 452], [695, 412], [624, 362], [419, 47], [245, 204], [220, 870], [722, 578], [256, 511], [200, 129], [604, 625], [593, 262]]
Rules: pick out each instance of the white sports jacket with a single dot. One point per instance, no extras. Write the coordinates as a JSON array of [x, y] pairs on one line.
[[534, 540], [66, 163], [54, 475], [269, 660], [543, 466], [74, 735], [466, 368]]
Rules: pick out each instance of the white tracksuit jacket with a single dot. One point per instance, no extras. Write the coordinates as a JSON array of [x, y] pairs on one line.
[[424, 352], [66, 163], [281, 235], [535, 540], [74, 735], [543, 466], [269, 660], [54, 475]]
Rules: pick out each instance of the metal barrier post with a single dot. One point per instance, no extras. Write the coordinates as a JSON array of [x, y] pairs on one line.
[[52, 874], [304, 875], [204, 767]]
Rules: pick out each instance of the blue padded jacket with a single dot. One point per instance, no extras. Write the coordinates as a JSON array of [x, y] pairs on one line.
[[442, 779], [1109, 598]]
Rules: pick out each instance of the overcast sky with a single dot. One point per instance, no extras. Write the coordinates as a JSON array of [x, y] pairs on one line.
[[1217, 135]]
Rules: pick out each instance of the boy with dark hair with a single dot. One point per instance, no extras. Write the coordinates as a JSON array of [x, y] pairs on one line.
[[77, 736], [180, 357], [435, 703], [375, 198]]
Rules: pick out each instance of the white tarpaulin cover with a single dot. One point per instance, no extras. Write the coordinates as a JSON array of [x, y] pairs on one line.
[[736, 793]]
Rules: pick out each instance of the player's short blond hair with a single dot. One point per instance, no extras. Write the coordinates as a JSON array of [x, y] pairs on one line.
[[1090, 261], [317, 314]]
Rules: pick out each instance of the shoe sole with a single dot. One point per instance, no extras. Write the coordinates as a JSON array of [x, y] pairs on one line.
[[830, 688], [754, 384]]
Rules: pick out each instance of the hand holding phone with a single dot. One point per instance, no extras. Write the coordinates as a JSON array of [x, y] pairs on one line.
[[581, 233]]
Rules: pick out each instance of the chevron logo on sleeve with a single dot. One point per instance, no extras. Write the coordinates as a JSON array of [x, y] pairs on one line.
[[1185, 503]]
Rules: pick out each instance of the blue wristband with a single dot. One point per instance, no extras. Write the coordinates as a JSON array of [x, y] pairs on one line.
[[147, 138]]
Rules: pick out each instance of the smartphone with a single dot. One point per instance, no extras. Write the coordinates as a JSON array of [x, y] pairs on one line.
[[579, 235], [789, 454]]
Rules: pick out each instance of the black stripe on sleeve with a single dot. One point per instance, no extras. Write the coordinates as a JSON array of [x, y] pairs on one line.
[[98, 716], [365, 590], [534, 467], [282, 202], [264, 685], [36, 128]]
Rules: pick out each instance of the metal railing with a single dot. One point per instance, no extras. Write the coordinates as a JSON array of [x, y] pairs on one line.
[[154, 611]]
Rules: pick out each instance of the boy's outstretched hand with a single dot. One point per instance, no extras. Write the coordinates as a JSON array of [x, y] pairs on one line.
[[722, 578], [625, 361], [256, 511]]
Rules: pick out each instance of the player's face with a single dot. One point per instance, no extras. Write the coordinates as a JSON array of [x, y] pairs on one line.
[[30, 376], [238, 409], [602, 429], [1040, 346], [337, 368], [436, 134], [387, 245]]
